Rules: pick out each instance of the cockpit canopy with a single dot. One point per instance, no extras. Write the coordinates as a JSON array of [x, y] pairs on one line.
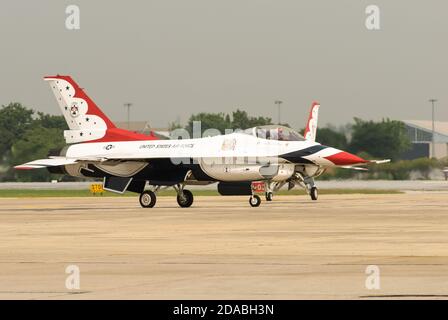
[[275, 132]]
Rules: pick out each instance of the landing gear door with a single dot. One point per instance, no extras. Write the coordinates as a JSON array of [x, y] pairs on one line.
[[116, 184]]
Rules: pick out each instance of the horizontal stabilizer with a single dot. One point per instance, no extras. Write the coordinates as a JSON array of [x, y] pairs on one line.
[[43, 163], [380, 161], [355, 168], [365, 169]]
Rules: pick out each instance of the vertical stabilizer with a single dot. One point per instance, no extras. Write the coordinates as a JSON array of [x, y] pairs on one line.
[[311, 127], [84, 118]]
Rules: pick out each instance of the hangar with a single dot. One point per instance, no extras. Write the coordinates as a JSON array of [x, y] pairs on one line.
[[420, 134]]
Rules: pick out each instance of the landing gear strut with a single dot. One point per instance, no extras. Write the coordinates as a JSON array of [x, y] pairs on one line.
[[148, 198], [184, 197], [311, 188], [308, 184], [271, 187]]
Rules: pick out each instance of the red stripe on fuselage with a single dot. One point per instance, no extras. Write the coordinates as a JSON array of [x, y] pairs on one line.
[[344, 158], [117, 134]]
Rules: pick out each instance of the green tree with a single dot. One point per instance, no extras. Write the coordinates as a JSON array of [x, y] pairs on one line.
[[26, 136], [241, 120], [331, 137], [209, 121], [35, 144], [173, 126], [15, 119], [385, 139], [50, 121]]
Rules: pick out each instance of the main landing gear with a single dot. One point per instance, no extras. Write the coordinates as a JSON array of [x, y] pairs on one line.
[[311, 188], [308, 184], [148, 199], [184, 197], [313, 193]]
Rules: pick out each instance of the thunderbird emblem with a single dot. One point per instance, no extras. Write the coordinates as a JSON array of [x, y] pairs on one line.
[[74, 111]]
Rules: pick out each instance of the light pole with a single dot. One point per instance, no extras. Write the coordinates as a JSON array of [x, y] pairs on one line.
[[278, 103], [128, 105], [433, 151]]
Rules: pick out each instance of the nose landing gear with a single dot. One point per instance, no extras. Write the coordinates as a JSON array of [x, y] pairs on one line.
[[255, 200]]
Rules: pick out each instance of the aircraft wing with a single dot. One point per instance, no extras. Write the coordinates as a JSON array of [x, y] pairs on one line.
[[43, 163]]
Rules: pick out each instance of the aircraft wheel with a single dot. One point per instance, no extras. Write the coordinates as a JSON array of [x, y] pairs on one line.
[[148, 199], [313, 193], [255, 201], [185, 199], [269, 196]]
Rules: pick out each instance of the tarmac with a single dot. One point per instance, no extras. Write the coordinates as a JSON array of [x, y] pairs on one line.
[[339, 247], [404, 185]]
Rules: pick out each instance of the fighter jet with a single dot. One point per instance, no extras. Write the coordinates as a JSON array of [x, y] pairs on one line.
[[129, 161]]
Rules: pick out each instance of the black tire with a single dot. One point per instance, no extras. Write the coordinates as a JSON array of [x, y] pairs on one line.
[[269, 196], [255, 201], [147, 199], [185, 200], [313, 193]]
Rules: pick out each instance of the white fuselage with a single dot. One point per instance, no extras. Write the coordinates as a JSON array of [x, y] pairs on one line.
[[232, 157], [235, 145]]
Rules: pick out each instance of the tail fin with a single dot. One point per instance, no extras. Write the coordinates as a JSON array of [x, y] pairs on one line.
[[311, 127], [84, 118]]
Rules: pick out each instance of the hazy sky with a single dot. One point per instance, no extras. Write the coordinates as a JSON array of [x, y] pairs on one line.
[[174, 58]]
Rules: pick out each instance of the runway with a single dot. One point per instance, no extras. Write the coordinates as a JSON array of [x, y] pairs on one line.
[[403, 185], [291, 248]]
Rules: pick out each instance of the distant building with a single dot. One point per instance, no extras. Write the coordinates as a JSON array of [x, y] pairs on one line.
[[420, 134], [143, 127]]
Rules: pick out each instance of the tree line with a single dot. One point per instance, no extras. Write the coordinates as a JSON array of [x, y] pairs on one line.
[[27, 135]]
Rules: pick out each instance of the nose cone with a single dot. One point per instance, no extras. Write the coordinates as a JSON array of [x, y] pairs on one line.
[[343, 158]]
